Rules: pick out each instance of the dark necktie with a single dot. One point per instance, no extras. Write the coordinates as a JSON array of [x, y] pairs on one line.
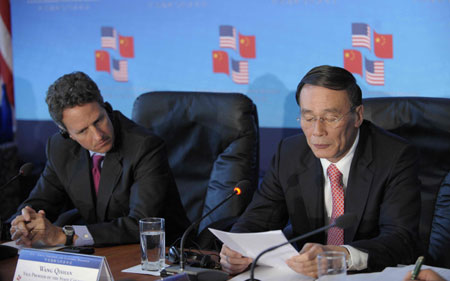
[[96, 170], [335, 234]]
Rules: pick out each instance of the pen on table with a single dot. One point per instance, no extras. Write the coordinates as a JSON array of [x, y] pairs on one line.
[[417, 267]]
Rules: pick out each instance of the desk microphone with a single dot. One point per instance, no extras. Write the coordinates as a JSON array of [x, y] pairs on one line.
[[25, 170], [196, 273], [344, 221]]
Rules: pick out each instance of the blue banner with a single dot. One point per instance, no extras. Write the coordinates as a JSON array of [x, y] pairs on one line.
[[260, 48]]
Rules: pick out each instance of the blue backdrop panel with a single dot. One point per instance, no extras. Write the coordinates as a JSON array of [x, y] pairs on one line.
[[258, 47]]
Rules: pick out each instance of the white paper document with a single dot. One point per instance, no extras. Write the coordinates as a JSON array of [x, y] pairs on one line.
[[12, 244], [251, 244], [265, 273], [395, 273]]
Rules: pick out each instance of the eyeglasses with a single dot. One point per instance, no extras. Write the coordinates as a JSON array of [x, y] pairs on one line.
[[329, 120]]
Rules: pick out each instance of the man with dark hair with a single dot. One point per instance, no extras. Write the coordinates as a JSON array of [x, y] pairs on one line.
[[107, 171], [339, 164]]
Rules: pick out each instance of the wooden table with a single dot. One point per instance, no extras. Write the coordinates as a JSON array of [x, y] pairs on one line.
[[118, 257]]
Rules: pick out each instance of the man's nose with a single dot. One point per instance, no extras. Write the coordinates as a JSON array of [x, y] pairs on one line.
[[319, 127], [98, 134]]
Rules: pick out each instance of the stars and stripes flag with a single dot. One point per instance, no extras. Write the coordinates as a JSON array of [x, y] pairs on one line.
[[227, 37], [6, 77], [120, 70], [374, 72], [239, 71], [109, 37], [361, 35]]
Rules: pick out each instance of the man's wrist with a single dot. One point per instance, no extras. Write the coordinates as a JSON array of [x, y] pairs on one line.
[[61, 239]]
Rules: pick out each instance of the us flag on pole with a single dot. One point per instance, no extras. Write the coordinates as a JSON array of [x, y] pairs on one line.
[[109, 37], [361, 35], [239, 71], [120, 70], [227, 37], [374, 72], [6, 78]]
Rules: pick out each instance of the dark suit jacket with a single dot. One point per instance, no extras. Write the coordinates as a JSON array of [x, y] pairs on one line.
[[382, 190], [136, 182]]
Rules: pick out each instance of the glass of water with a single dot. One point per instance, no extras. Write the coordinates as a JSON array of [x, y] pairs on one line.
[[332, 266], [153, 243]]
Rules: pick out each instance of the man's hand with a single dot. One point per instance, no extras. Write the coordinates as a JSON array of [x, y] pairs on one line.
[[32, 227], [232, 261], [425, 275], [306, 262]]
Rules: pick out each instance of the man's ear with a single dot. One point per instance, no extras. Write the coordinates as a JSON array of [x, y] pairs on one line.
[[63, 132], [360, 115]]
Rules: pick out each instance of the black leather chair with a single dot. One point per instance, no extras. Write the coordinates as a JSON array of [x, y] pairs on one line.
[[439, 249], [213, 142], [425, 122]]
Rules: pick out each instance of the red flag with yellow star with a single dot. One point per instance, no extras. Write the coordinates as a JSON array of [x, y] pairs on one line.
[[247, 46], [126, 46], [220, 62], [383, 46], [102, 61], [353, 61]]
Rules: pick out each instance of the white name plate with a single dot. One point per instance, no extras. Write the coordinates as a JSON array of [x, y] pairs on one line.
[[36, 264]]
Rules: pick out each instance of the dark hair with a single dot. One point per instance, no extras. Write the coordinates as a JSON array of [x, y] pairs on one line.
[[71, 90], [334, 78]]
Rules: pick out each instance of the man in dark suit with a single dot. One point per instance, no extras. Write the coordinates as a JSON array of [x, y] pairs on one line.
[[108, 170], [340, 164]]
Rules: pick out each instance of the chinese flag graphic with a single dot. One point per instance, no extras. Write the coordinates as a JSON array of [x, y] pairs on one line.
[[126, 46], [102, 61], [247, 46], [383, 47], [353, 61], [220, 62]]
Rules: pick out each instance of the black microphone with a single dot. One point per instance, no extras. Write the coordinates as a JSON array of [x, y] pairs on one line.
[[196, 273], [25, 170], [344, 221]]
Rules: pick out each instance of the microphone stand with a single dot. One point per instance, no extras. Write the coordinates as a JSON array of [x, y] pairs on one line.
[[196, 273]]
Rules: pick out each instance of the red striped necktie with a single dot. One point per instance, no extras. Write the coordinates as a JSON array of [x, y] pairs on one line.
[[96, 170], [335, 234]]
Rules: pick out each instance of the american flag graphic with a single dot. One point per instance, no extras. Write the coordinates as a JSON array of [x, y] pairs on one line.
[[109, 37], [361, 35], [6, 75], [239, 71], [374, 72], [120, 70], [227, 37]]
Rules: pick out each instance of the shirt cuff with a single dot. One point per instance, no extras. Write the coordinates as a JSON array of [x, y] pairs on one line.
[[357, 260], [84, 236]]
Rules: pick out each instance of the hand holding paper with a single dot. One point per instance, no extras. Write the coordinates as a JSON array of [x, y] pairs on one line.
[[251, 244]]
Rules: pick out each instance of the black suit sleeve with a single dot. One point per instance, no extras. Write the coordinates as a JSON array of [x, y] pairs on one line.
[[48, 193], [267, 210]]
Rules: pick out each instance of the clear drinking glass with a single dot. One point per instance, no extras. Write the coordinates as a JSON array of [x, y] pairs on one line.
[[153, 243], [332, 266]]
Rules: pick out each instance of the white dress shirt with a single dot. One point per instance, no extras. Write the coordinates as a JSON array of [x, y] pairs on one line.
[[84, 236], [358, 259]]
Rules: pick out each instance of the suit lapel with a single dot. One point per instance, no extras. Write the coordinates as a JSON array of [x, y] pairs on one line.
[[311, 186], [111, 172], [81, 186], [359, 182]]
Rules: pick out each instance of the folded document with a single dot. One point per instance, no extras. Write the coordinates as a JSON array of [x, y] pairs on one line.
[[251, 244]]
